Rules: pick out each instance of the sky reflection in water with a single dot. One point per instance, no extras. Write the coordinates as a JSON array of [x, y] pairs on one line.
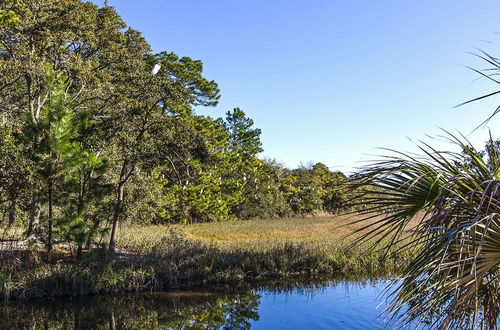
[[343, 305]]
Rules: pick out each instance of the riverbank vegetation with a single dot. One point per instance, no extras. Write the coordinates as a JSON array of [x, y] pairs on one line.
[[171, 257]]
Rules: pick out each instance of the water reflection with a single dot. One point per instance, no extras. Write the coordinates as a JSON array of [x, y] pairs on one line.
[[155, 311], [339, 305]]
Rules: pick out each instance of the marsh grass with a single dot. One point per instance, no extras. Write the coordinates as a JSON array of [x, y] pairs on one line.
[[259, 232], [171, 257], [292, 229], [12, 233]]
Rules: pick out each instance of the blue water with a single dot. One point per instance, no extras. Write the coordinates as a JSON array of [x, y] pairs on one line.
[[340, 305]]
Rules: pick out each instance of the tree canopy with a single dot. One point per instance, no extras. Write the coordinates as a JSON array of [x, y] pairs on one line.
[[97, 130]]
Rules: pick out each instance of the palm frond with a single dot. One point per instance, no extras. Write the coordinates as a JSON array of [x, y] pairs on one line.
[[454, 279]]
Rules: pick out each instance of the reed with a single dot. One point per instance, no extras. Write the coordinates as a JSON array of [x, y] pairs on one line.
[[175, 257]]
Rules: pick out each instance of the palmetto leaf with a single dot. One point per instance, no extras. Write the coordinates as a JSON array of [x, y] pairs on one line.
[[454, 279]]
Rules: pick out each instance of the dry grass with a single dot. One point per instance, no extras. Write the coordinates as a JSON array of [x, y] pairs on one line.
[[175, 256], [325, 229], [330, 233], [303, 229], [243, 233], [318, 229]]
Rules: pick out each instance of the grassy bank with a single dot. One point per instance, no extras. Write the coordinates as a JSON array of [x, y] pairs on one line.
[[173, 257]]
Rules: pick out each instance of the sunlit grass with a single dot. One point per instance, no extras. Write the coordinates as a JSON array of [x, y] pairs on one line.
[[12, 233], [324, 241], [260, 231], [296, 230], [318, 231], [177, 256]]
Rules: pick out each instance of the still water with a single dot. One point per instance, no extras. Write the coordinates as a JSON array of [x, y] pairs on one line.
[[340, 305]]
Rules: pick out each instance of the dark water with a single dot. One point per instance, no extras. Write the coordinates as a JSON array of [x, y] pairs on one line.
[[343, 305]]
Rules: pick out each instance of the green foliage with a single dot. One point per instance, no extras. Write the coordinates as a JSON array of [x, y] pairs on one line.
[[15, 177], [70, 175], [9, 12], [263, 197], [315, 188], [90, 138], [8, 17], [243, 138]]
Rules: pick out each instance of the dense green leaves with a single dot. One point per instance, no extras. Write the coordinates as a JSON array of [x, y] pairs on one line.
[[96, 130], [315, 188]]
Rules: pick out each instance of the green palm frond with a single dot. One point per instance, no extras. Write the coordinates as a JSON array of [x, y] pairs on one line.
[[454, 279]]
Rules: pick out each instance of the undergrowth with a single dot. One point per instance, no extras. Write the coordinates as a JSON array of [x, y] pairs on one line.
[[172, 261]]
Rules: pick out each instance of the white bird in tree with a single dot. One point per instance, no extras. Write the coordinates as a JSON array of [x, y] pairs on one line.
[[156, 68]]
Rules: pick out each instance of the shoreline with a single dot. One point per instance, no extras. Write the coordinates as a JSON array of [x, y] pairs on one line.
[[179, 263]]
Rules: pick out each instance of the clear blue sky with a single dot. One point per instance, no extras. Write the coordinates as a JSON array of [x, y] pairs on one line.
[[333, 80]]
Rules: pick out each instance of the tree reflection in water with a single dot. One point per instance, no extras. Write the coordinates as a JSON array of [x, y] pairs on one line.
[[141, 311]]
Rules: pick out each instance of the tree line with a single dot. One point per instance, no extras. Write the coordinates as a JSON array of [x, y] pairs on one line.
[[97, 130]]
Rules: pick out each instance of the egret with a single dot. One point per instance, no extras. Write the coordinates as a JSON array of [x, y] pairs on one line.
[[156, 68]]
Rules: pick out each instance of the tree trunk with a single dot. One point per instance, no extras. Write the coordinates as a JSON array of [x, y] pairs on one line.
[[79, 211], [77, 324], [12, 211], [51, 214], [112, 322], [79, 251], [116, 216], [34, 217], [90, 234]]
